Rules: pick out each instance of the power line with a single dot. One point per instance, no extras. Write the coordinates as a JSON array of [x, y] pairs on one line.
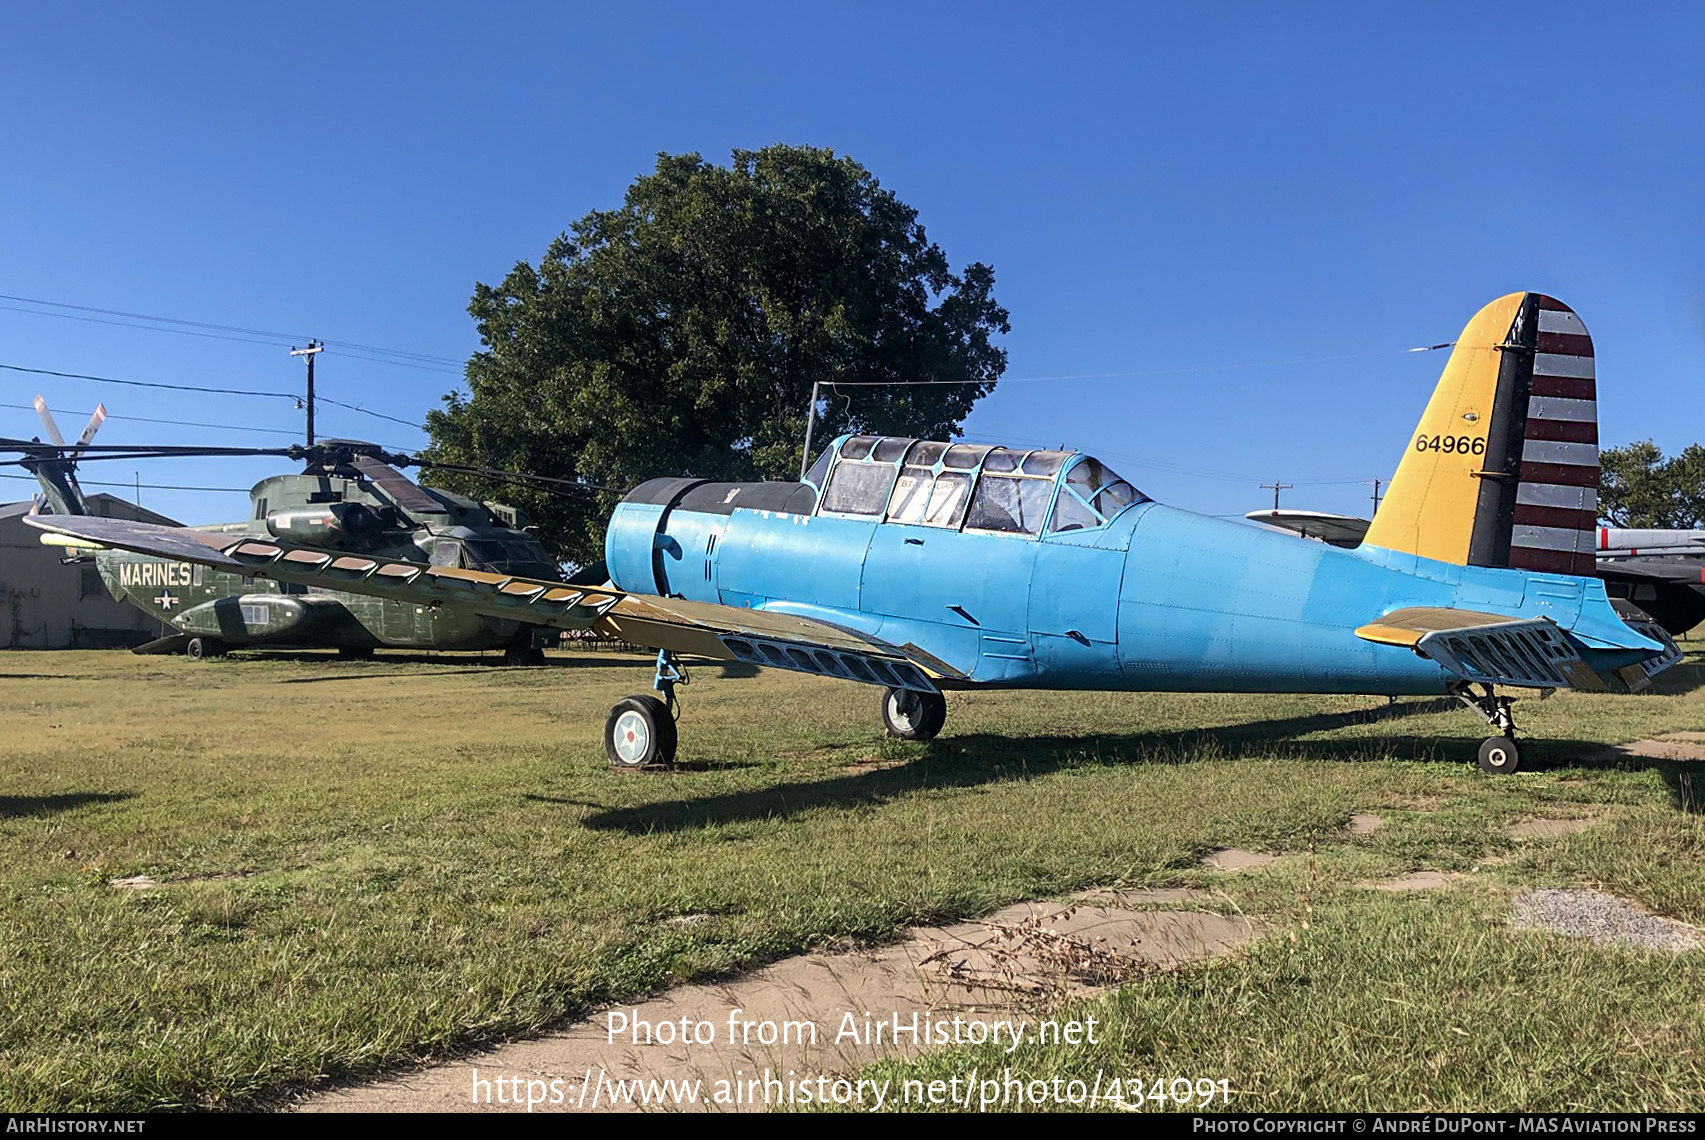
[[1143, 372], [147, 486], [169, 423], [291, 396], [375, 415], [150, 383], [146, 317], [271, 334]]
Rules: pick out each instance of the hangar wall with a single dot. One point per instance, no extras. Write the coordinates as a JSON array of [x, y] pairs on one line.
[[46, 605]]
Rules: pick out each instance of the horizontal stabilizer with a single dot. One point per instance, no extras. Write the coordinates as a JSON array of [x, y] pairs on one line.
[[1489, 648]]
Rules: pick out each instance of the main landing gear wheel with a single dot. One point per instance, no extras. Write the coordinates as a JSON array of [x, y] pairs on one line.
[[640, 733], [201, 648], [1499, 756], [911, 715], [523, 655]]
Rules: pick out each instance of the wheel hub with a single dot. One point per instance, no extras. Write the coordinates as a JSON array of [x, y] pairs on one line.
[[631, 738]]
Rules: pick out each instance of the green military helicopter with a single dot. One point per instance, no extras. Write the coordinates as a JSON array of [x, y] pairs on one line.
[[349, 496]]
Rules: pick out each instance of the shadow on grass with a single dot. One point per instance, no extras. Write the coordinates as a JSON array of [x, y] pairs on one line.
[[443, 660], [384, 676], [967, 761], [1684, 778], [17, 807], [1682, 678]]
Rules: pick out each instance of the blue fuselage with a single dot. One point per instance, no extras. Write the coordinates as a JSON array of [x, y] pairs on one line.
[[1157, 599]]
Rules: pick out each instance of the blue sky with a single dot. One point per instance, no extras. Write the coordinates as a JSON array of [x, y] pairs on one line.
[[1235, 216]]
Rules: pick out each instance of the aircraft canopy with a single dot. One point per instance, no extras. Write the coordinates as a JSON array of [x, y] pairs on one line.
[[974, 487]]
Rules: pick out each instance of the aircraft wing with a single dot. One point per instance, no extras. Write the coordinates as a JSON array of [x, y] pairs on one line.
[[701, 629], [1496, 649]]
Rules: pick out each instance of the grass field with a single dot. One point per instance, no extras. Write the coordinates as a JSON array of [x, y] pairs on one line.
[[360, 864]]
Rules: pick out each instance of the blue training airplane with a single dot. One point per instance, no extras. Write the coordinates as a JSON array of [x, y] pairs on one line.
[[919, 567]]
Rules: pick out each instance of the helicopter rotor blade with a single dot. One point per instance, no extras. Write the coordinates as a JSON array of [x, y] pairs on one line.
[[88, 436], [545, 482], [405, 492], [47, 420]]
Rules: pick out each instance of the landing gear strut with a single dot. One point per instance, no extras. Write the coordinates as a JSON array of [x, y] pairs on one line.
[[1499, 756], [641, 730]]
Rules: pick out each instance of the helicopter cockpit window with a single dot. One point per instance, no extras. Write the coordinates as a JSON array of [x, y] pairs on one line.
[[1002, 460], [446, 552], [486, 554], [1012, 505], [859, 488]]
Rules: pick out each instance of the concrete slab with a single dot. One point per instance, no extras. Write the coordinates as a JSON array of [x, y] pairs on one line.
[[1364, 823], [1548, 828], [1415, 881], [1233, 859]]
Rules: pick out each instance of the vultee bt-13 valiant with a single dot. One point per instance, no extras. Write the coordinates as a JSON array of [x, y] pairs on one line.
[[919, 567]]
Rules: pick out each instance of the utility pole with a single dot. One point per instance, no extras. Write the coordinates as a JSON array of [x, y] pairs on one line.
[[1275, 486], [314, 349], [1376, 486], [810, 420]]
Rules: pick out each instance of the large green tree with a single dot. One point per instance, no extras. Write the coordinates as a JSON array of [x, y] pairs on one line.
[[681, 333], [1638, 487]]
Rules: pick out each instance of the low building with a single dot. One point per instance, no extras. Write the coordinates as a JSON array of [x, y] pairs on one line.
[[47, 605]]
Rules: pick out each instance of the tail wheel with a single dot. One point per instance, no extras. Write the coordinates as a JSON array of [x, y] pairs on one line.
[[912, 715], [640, 733], [201, 648], [1499, 756]]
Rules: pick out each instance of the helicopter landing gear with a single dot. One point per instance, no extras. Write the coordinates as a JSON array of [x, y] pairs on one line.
[[1499, 756], [523, 655], [908, 714], [201, 648], [641, 730]]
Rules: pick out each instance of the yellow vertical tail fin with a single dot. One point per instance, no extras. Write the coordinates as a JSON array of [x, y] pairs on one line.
[[1503, 468]]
